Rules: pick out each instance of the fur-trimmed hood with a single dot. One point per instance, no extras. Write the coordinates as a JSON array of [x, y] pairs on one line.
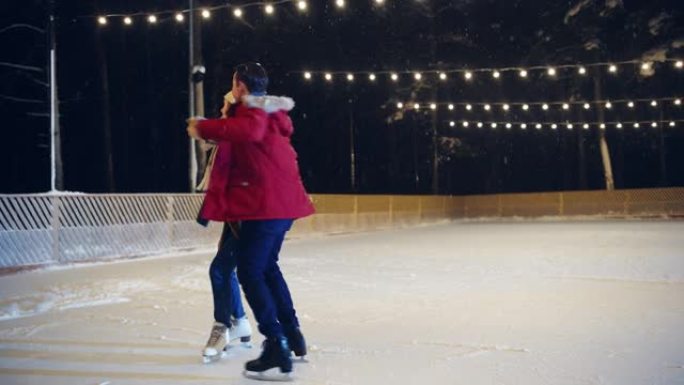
[[269, 103]]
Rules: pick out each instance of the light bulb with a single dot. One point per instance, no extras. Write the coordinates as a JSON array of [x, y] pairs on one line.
[[523, 126], [636, 125], [570, 126], [672, 124], [545, 107], [452, 123], [602, 126], [494, 125], [128, 20], [554, 126], [479, 124], [468, 75], [102, 20], [679, 64], [307, 75], [496, 74], [654, 104], [237, 13], [523, 73], [418, 76], [465, 124], [301, 5], [269, 9], [179, 17], [416, 106], [433, 106], [525, 107], [350, 77], [328, 76], [619, 125], [487, 107], [394, 77], [508, 125], [630, 104], [443, 76], [582, 71], [371, 77], [566, 106], [206, 14], [678, 102], [538, 126], [587, 106], [451, 107], [400, 105], [612, 68], [469, 107], [585, 126], [152, 19], [654, 124], [551, 71], [506, 107], [339, 3], [609, 105]]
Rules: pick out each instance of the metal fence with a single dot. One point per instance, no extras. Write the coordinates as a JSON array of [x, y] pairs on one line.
[[47, 229], [42, 229]]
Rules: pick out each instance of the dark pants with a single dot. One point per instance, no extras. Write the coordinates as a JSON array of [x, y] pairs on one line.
[[224, 282], [260, 276]]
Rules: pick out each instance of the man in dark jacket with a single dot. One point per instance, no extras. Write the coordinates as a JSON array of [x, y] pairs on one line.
[[263, 190]]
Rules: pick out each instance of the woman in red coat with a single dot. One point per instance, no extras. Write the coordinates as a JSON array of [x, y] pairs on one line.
[[263, 190]]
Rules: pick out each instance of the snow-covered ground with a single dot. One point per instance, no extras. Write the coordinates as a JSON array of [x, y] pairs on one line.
[[549, 303]]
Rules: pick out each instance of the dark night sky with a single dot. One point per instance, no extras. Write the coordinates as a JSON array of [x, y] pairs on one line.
[[132, 83]]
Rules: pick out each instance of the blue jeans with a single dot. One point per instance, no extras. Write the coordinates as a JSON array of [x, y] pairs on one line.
[[224, 282], [263, 283]]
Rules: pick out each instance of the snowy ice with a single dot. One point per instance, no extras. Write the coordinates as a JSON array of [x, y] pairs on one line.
[[594, 302]]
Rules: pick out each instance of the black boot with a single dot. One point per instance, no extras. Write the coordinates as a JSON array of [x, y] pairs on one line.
[[296, 341], [276, 354]]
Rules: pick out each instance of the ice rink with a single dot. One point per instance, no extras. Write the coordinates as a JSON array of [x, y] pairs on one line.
[[543, 302]]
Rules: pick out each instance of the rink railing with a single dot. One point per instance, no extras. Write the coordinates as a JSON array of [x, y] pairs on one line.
[[44, 229]]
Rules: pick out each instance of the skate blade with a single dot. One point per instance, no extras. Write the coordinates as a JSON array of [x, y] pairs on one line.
[[300, 360], [211, 359], [271, 375]]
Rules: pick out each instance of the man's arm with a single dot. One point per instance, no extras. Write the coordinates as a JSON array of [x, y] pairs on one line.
[[250, 126]]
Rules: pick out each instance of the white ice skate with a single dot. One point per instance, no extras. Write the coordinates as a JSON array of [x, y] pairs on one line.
[[240, 329], [218, 340]]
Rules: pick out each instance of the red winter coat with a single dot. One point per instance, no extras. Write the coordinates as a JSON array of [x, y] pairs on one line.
[[255, 174]]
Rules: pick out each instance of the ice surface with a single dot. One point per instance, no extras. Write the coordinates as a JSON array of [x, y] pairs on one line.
[[599, 302]]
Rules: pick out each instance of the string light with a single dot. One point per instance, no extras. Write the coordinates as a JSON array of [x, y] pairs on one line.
[[302, 5], [506, 107], [679, 64], [269, 9], [612, 68], [102, 20], [433, 106], [339, 3], [538, 126], [609, 105], [582, 71], [487, 107], [570, 126], [554, 126], [493, 125], [371, 77], [350, 77], [469, 107], [585, 126], [127, 20], [206, 14], [452, 123], [394, 77], [479, 124], [619, 125], [525, 107], [523, 73], [180, 17], [237, 13], [468, 75], [496, 74], [587, 106], [465, 124], [416, 106], [654, 124], [602, 126], [508, 125], [630, 104], [672, 124], [654, 104], [152, 19], [523, 126], [678, 102], [418, 76], [551, 71], [328, 76], [636, 125], [442, 76], [400, 105], [545, 107], [307, 75], [451, 107], [566, 106]]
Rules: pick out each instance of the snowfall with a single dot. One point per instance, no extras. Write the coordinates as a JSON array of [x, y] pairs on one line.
[[520, 302]]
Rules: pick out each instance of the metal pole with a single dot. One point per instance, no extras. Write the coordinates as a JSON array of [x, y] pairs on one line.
[[352, 150], [56, 176], [191, 55]]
